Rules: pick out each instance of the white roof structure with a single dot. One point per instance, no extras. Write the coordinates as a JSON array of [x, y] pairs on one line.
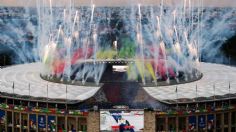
[[25, 74], [214, 75]]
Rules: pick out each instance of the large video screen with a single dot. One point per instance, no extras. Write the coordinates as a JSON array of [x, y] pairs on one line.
[[121, 121]]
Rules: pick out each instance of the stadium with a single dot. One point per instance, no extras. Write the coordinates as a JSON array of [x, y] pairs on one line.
[[136, 66]]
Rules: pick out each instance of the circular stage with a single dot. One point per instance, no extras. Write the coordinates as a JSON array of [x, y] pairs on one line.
[[25, 80], [116, 71]]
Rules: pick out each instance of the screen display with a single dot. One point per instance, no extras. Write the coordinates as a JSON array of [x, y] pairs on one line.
[[122, 121], [120, 68]]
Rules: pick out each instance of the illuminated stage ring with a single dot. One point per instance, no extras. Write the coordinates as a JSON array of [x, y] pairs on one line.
[[110, 75]]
